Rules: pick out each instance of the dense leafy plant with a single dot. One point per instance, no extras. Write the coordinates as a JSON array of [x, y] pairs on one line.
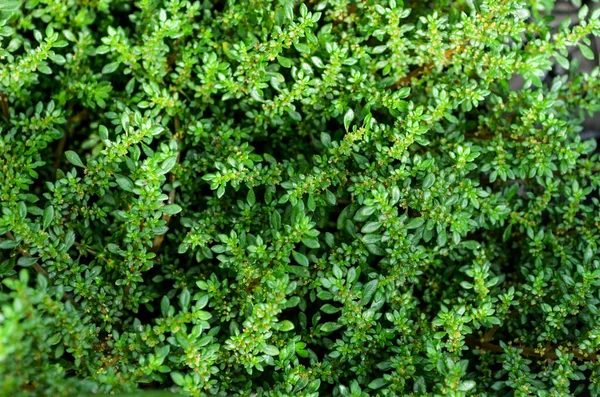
[[280, 198]]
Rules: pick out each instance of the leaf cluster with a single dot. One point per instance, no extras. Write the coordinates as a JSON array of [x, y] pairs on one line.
[[298, 198]]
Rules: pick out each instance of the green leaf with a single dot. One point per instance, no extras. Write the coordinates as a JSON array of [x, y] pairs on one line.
[[270, 350], [48, 216], [22, 207], [330, 198], [415, 223], [54, 339], [178, 378], [377, 383], [10, 5], [8, 244], [26, 261], [368, 291], [311, 204], [276, 220], [583, 11], [330, 327], [562, 61], [110, 67], [124, 183], [467, 385], [371, 239], [329, 308], [164, 306], [364, 213], [184, 299], [203, 315], [171, 209], [588, 254], [428, 181], [285, 326], [311, 242], [326, 139], [288, 10], [168, 164], [420, 387], [285, 62], [586, 52], [348, 117], [370, 227], [251, 198], [73, 158], [103, 132], [300, 258], [6, 31]]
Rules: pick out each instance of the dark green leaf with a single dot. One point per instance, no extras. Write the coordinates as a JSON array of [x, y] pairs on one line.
[[300, 258], [26, 261], [311, 242], [48, 216]]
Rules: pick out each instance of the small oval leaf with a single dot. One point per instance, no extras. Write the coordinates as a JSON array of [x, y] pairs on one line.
[[73, 158]]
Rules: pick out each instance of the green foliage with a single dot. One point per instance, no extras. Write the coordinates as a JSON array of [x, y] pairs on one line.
[[285, 198]]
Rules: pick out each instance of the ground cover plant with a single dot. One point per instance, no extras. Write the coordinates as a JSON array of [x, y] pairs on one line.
[[286, 198]]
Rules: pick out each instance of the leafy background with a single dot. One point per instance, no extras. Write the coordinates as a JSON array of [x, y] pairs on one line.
[[299, 198]]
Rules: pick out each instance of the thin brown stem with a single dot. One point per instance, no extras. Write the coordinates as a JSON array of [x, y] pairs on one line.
[[37, 267], [172, 59], [90, 251], [421, 70], [490, 333], [548, 353], [4, 105], [158, 240], [81, 116]]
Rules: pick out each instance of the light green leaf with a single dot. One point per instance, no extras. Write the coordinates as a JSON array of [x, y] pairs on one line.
[[371, 239], [184, 299], [285, 62], [168, 164], [348, 117], [48, 216], [73, 158], [110, 67], [285, 326], [330, 327], [270, 350], [10, 5], [586, 51], [171, 209], [370, 227], [178, 378]]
